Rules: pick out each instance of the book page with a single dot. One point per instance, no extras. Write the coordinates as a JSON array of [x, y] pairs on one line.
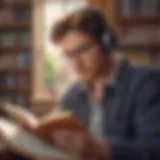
[[21, 115], [29, 145], [58, 120]]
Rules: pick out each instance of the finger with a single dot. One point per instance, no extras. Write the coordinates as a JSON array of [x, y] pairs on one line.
[[3, 147], [79, 142], [71, 141], [62, 134], [26, 127], [63, 139], [1, 134]]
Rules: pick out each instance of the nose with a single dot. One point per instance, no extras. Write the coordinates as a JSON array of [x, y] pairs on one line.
[[78, 61]]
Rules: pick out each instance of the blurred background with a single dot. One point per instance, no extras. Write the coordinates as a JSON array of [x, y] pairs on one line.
[[33, 73]]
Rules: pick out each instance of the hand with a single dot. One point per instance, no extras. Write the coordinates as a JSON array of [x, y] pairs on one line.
[[3, 144], [81, 144], [26, 127]]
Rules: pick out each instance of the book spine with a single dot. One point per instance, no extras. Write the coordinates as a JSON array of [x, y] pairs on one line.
[[148, 7], [27, 59], [12, 80], [23, 38], [22, 81], [126, 7], [24, 15], [158, 6], [136, 6], [3, 77]]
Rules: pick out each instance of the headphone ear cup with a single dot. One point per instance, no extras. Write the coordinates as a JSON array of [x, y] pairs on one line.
[[106, 40]]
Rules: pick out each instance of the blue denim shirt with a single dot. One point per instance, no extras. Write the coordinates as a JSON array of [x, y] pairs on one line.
[[131, 112]]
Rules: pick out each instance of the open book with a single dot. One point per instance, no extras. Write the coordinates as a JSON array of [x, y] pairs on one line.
[[36, 144]]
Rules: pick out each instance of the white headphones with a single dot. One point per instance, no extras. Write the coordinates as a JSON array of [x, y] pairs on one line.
[[106, 39]]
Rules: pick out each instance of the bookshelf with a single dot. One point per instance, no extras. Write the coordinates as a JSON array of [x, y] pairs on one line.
[[139, 22], [16, 51], [138, 12]]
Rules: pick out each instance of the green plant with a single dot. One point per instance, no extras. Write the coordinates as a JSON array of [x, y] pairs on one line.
[[52, 67]]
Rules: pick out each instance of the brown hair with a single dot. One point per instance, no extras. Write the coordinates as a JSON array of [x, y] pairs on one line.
[[87, 20]]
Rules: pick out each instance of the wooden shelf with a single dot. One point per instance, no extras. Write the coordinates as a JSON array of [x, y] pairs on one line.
[[17, 90], [9, 91], [17, 5], [18, 70], [154, 48], [15, 26], [131, 21], [14, 49], [135, 18]]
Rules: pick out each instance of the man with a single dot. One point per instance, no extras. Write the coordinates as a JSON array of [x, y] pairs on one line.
[[118, 103]]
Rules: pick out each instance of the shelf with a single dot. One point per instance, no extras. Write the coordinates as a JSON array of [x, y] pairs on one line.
[[18, 70], [17, 5], [154, 48], [15, 26], [16, 81], [17, 90], [14, 49], [139, 20], [127, 15]]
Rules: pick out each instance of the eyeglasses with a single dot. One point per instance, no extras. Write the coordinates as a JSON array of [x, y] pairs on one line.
[[83, 49]]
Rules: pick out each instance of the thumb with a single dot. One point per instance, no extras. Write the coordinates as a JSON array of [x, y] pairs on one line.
[[3, 144], [3, 147]]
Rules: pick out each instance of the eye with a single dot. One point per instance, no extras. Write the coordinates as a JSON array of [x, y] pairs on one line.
[[84, 48]]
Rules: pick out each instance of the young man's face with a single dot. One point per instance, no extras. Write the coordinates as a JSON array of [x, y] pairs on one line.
[[83, 53]]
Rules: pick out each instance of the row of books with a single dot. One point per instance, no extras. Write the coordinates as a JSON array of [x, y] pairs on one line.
[[18, 61], [14, 1], [9, 39], [142, 36], [10, 16], [14, 80], [21, 100], [139, 7]]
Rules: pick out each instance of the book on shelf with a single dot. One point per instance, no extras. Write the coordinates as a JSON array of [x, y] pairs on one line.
[[23, 81], [7, 39], [10, 16], [5, 61], [158, 6], [12, 80], [23, 38], [19, 139], [3, 77], [21, 60], [24, 15], [6, 16], [25, 59], [149, 7], [18, 80], [15, 1], [138, 7], [125, 7]]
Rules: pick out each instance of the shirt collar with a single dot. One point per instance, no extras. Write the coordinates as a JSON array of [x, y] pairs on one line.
[[112, 80]]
